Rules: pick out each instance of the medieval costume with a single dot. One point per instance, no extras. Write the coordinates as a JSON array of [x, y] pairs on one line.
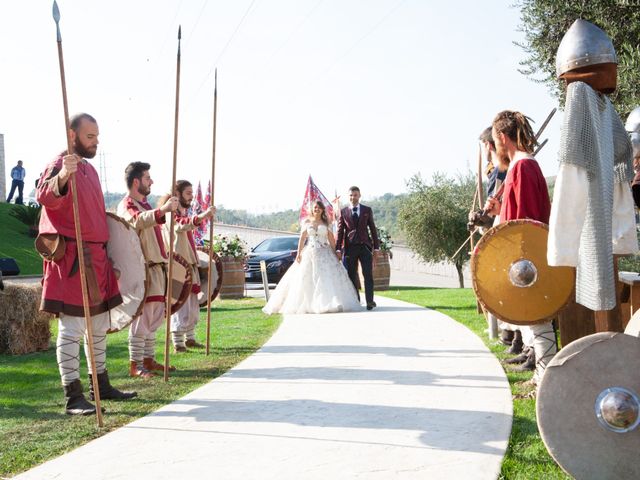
[[592, 216], [142, 334], [183, 322], [526, 196], [61, 288]]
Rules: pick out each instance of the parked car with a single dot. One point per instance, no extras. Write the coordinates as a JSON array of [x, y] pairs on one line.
[[279, 253]]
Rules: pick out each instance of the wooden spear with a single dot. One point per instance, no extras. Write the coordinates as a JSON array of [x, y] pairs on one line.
[[213, 189], [173, 217], [76, 221]]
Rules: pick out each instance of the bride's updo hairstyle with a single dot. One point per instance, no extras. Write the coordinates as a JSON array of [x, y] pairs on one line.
[[323, 217]]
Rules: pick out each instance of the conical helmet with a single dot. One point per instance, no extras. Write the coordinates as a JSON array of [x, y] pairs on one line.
[[584, 44], [633, 121]]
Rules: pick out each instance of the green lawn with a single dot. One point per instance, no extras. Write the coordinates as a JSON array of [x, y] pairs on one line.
[[526, 458], [15, 242], [33, 426]]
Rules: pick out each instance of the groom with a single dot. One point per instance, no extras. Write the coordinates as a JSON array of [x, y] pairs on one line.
[[354, 240]]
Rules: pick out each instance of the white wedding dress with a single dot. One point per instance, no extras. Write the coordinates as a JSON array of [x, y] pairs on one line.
[[318, 284]]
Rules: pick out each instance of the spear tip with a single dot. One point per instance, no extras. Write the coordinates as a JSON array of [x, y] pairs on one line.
[[56, 11]]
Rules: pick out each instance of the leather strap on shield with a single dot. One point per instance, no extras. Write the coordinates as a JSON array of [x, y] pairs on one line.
[[511, 277]]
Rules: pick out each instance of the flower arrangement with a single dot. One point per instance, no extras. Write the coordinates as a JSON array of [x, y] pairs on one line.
[[386, 244], [230, 246]]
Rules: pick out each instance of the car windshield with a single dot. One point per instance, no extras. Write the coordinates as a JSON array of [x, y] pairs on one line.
[[278, 245]]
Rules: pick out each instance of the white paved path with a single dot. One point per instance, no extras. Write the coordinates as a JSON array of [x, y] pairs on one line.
[[397, 393]]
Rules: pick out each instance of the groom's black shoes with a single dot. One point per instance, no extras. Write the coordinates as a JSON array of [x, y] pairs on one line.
[[371, 306]]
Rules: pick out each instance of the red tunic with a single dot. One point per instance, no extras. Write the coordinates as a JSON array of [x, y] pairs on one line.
[[525, 193], [61, 290]]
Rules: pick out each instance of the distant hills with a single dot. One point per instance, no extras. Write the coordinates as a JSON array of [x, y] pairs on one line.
[[385, 210]]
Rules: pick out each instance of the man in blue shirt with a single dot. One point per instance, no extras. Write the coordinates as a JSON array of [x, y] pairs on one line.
[[17, 180]]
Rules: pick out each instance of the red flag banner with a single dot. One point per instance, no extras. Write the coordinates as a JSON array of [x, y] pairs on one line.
[[199, 233], [207, 197], [311, 194]]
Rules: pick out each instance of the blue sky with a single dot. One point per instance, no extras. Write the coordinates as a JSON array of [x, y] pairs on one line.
[[365, 92]]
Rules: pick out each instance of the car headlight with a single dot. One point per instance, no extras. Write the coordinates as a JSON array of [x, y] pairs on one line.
[[276, 264]]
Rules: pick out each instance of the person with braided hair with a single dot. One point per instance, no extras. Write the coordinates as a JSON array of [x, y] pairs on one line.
[[525, 196]]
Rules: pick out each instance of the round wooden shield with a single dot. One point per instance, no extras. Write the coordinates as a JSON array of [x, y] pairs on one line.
[[125, 252], [511, 277], [587, 407], [181, 282], [216, 275]]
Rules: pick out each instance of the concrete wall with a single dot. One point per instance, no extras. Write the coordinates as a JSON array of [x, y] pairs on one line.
[[403, 258], [3, 174]]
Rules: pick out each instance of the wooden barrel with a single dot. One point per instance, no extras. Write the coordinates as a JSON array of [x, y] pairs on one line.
[[381, 271], [232, 278]]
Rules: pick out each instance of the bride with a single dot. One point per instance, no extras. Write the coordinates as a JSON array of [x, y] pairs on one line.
[[316, 282]]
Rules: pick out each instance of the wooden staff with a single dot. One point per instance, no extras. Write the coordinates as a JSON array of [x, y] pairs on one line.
[[479, 196], [76, 221], [173, 217], [213, 189]]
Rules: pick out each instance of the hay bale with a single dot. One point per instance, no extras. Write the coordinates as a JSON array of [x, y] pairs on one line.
[[23, 328]]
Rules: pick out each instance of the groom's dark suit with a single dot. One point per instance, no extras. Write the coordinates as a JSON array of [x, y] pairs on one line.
[[354, 240]]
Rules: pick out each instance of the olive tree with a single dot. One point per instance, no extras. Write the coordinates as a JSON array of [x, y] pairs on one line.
[[434, 216]]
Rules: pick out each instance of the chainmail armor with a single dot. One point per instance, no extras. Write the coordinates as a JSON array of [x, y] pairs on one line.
[[593, 138]]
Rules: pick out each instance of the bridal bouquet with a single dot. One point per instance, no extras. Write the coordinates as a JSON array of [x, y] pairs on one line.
[[230, 246]]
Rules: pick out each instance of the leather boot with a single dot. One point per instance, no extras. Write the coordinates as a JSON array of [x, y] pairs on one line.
[[107, 391], [193, 344], [151, 365], [529, 365], [519, 359], [76, 403], [506, 337], [516, 343], [136, 370]]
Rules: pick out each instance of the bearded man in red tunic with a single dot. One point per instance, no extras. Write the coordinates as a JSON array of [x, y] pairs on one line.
[[61, 288]]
